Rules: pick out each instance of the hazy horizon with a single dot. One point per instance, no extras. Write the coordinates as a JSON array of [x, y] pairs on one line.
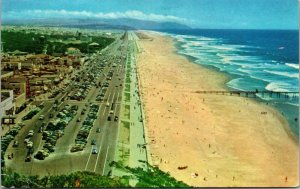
[[202, 14]]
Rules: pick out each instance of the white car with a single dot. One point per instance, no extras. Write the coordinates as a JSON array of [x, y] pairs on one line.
[[29, 144], [107, 104], [30, 134], [26, 140], [42, 117], [94, 151]]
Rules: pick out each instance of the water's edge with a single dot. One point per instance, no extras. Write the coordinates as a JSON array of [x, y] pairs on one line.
[[289, 112]]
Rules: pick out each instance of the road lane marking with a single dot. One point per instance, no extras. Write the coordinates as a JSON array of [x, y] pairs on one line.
[[115, 112], [88, 159], [97, 158], [105, 160], [113, 96], [49, 109], [104, 110], [99, 152], [118, 95], [108, 97], [40, 143]]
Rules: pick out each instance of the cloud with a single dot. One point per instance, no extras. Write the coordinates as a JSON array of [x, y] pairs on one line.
[[135, 14]]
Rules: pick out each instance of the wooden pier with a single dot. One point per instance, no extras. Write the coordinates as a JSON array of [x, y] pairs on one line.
[[254, 94]]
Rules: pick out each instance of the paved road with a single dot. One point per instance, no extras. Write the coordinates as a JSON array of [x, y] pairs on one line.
[[62, 160]]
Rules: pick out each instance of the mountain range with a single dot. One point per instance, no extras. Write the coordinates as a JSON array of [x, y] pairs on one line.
[[121, 23]]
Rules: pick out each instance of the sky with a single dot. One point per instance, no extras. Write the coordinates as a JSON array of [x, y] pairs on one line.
[[212, 14]]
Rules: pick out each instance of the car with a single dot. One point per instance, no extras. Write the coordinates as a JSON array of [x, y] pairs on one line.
[[50, 115], [16, 143], [78, 120], [94, 151], [29, 144], [98, 130], [116, 118], [41, 129], [26, 140], [82, 112], [41, 154], [108, 118], [21, 124], [28, 158], [107, 104], [111, 112], [42, 117], [29, 135], [93, 142], [77, 148]]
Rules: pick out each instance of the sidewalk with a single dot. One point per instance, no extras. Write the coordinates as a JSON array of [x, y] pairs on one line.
[[137, 136], [131, 126]]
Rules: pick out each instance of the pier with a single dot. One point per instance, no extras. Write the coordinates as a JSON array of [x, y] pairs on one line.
[[253, 94]]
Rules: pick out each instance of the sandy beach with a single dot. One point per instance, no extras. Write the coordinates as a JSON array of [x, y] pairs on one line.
[[222, 140]]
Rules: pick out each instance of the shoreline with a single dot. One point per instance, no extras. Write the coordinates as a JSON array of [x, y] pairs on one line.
[[290, 128], [221, 79], [229, 77]]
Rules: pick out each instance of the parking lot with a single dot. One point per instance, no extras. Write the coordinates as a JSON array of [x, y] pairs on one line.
[[77, 128]]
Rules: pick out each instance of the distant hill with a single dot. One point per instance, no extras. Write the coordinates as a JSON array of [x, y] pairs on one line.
[[123, 23]]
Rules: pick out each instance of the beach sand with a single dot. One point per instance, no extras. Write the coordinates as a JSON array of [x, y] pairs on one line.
[[223, 140]]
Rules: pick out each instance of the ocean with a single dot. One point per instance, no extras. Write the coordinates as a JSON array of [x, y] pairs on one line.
[[255, 60]]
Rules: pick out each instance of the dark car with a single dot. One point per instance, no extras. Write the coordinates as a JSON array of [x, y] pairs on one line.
[[16, 144], [108, 118], [28, 159], [98, 130], [116, 118], [93, 142]]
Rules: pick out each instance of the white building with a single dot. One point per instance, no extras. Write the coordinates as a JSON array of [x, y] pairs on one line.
[[7, 104]]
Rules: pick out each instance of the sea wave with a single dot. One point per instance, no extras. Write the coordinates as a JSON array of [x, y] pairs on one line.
[[296, 66], [282, 73], [279, 87]]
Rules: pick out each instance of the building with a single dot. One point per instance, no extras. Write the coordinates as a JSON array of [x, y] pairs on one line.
[[7, 105]]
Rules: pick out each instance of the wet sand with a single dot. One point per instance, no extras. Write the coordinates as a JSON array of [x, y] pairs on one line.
[[223, 140]]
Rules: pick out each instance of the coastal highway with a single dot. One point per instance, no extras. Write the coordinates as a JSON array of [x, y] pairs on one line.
[[62, 160]]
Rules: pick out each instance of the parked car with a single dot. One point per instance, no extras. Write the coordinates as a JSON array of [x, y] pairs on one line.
[[108, 118], [116, 118], [42, 117], [98, 130], [26, 140], [16, 143], [41, 154], [28, 158], [94, 151], [93, 142]]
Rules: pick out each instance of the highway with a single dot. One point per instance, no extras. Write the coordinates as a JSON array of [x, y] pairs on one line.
[[62, 160]]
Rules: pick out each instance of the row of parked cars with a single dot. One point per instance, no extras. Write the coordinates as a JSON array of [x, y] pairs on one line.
[[7, 138], [32, 113], [81, 138], [88, 79], [55, 130]]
